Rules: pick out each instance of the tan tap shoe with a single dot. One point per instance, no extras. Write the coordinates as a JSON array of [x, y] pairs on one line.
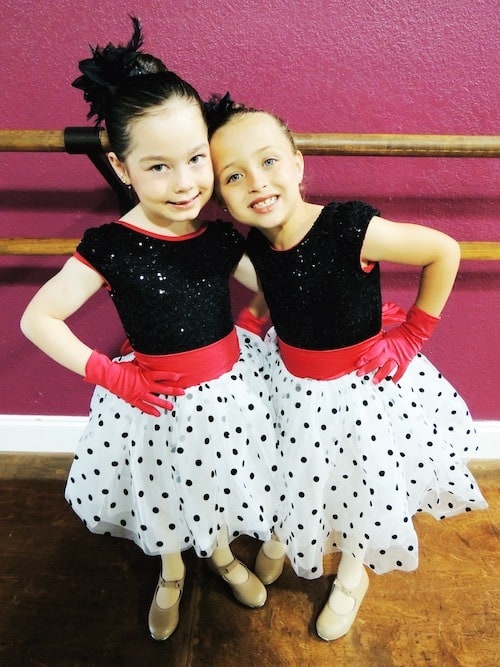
[[332, 625], [162, 622], [268, 569], [251, 592]]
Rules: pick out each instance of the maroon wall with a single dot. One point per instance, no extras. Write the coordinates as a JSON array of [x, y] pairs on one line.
[[396, 67]]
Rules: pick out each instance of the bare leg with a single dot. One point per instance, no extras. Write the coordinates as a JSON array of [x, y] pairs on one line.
[[246, 587], [270, 561], [172, 569], [273, 548], [348, 591], [223, 556], [163, 615], [349, 574]]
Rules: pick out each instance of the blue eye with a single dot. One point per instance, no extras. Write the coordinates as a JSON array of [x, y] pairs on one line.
[[197, 158], [270, 161], [233, 178], [158, 168]]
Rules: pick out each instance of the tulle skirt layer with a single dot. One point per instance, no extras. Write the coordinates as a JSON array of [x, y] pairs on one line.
[[357, 461], [198, 476]]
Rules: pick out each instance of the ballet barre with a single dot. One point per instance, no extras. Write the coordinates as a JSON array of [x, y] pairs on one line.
[[90, 139], [93, 142]]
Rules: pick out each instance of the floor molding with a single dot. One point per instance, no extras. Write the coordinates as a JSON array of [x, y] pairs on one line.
[[60, 434]]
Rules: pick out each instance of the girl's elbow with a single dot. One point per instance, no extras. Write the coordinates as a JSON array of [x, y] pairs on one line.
[[449, 251], [455, 252], [25, 324], [455, 245], [28, 324]]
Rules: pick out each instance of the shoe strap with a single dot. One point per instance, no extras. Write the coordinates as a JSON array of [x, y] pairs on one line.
[[178, 584], [346, 591], [224, 570]]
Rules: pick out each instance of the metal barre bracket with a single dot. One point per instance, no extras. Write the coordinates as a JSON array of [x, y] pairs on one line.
[[79, 140], [87, 141]]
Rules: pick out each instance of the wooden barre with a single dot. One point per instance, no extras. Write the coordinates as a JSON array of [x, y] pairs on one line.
[[489, 250], [483, 250], [396, 145]]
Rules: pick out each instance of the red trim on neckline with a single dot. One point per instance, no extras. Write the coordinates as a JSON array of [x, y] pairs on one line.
[[164, 237]]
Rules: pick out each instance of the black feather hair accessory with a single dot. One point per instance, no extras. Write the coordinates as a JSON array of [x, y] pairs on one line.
[[218, 108], [219, 103], [109, 67]]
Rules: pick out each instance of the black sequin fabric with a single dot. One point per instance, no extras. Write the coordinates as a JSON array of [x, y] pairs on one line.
[[318, 295], [171, 293]]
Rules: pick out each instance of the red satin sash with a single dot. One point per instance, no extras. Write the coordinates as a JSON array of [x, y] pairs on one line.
[[331, 364], [323, 364], [196, 366]]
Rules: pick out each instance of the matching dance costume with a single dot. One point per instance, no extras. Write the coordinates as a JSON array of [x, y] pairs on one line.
[[202, 474], [356, 460]]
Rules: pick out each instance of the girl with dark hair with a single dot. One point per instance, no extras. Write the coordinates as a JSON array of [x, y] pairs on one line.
[[369, 431], [178, 451]]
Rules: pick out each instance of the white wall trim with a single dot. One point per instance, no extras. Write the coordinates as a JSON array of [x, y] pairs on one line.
[[31, 433]]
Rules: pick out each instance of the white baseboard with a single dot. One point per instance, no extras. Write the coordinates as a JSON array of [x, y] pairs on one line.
[[27, 433], [32, 433]]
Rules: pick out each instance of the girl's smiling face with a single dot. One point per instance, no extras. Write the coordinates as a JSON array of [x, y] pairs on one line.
[[257, 171], [169, 164]]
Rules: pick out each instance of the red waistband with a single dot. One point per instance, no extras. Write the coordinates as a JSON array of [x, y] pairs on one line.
[[323, 364], [196, 366]]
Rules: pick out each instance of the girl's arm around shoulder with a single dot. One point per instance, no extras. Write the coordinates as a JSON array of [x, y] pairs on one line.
[[245, 274], [255, 316], [43, 320], [404, 243]]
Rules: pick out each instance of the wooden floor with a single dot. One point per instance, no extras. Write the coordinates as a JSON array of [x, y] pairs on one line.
[[69, 598]]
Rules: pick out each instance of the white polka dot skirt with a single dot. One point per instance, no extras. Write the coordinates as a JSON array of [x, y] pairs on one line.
[[357, 460], [197, 476]]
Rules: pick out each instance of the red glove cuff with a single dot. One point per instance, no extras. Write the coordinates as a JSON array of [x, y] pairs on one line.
[[392, 314], [247, 320], [96, 368], [126, 348], [420, 322]]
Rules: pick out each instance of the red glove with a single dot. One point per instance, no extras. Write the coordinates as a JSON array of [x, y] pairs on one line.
[[126, 348], [397, 347], [128, 381], [391, 314], [247, 320]]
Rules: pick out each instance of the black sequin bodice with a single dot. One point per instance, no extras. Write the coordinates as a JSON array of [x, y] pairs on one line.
[[318, 295], [171, 293]]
